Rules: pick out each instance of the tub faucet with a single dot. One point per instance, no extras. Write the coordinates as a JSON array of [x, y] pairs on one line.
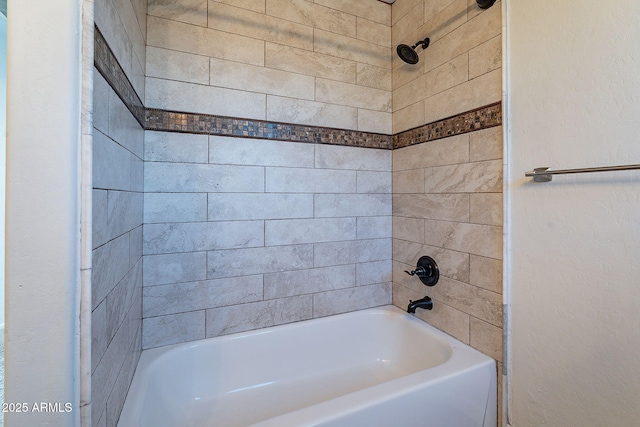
[[424, 303]]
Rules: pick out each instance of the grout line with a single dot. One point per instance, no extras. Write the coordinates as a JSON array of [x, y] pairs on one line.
[[163, 120]]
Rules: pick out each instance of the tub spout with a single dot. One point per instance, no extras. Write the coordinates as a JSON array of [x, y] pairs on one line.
[[424, 303]]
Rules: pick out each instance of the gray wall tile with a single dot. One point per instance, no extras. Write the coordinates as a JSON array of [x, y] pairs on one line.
[[199, 178], [99, 229], [253, 184], [477, 177], [102, 422], [114, 359], [483, 240], [444, 151], [174, 268], [175, 207], [173, 329], [374, 250], [136, 174], [344, 300], [369, 273], [111, 262], [338, 253], [202, 236], [181, 297], [486, 208], [116, 399], [288, 110], [486, 144], [101, 91], [118, 184], [374, 182], [478, 302], [352, 158], [374, 227], [99, 338], [242, 262], [310, 63], [341, 205], [135, 244], [486, 273], [247, 206], [256, 78], [124, 210], [410, 229], [244, 317], [106, 154], [408, 181], [259, 152], [180, 96], [200, 40], [295, 231], [301, 282], [188, 11], [121, 298], [175, 147], [125, 40], [297, 180], [448, 207], [185, 67], [123, 127]]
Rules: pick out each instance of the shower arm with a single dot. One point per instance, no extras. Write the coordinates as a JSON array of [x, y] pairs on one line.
[[422, 43]]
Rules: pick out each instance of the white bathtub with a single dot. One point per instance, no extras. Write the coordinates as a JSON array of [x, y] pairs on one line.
[[376, 367]]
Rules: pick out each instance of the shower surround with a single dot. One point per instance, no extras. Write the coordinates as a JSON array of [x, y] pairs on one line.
[[242, 234], [447, 189], [447, 185], [292, 218], [248, 233]]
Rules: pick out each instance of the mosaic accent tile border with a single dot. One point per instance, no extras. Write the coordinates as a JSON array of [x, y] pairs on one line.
[[107, 64], [174, 121], [469, 121]]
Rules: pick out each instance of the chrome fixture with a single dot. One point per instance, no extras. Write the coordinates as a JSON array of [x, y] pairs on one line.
[[408, 53], [544, 174], [424, 303]]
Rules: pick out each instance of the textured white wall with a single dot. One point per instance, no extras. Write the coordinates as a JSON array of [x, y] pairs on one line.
[[574, 242], [43, 213], [3, 143]]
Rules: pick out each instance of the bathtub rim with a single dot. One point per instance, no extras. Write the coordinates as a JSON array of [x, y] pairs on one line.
[[463, 358]]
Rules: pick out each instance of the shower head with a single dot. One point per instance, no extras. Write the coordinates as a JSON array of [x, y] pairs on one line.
[[408, 53], [485, 4]]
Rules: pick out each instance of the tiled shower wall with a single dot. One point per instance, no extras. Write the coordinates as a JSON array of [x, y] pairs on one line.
[[447, 193], [447, 204], [246, 233], [242, 234], [323, 63], [116, 318], [459, 71]]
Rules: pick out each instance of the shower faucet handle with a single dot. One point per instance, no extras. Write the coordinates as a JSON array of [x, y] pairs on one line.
[[426, 270], [421, 271]]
